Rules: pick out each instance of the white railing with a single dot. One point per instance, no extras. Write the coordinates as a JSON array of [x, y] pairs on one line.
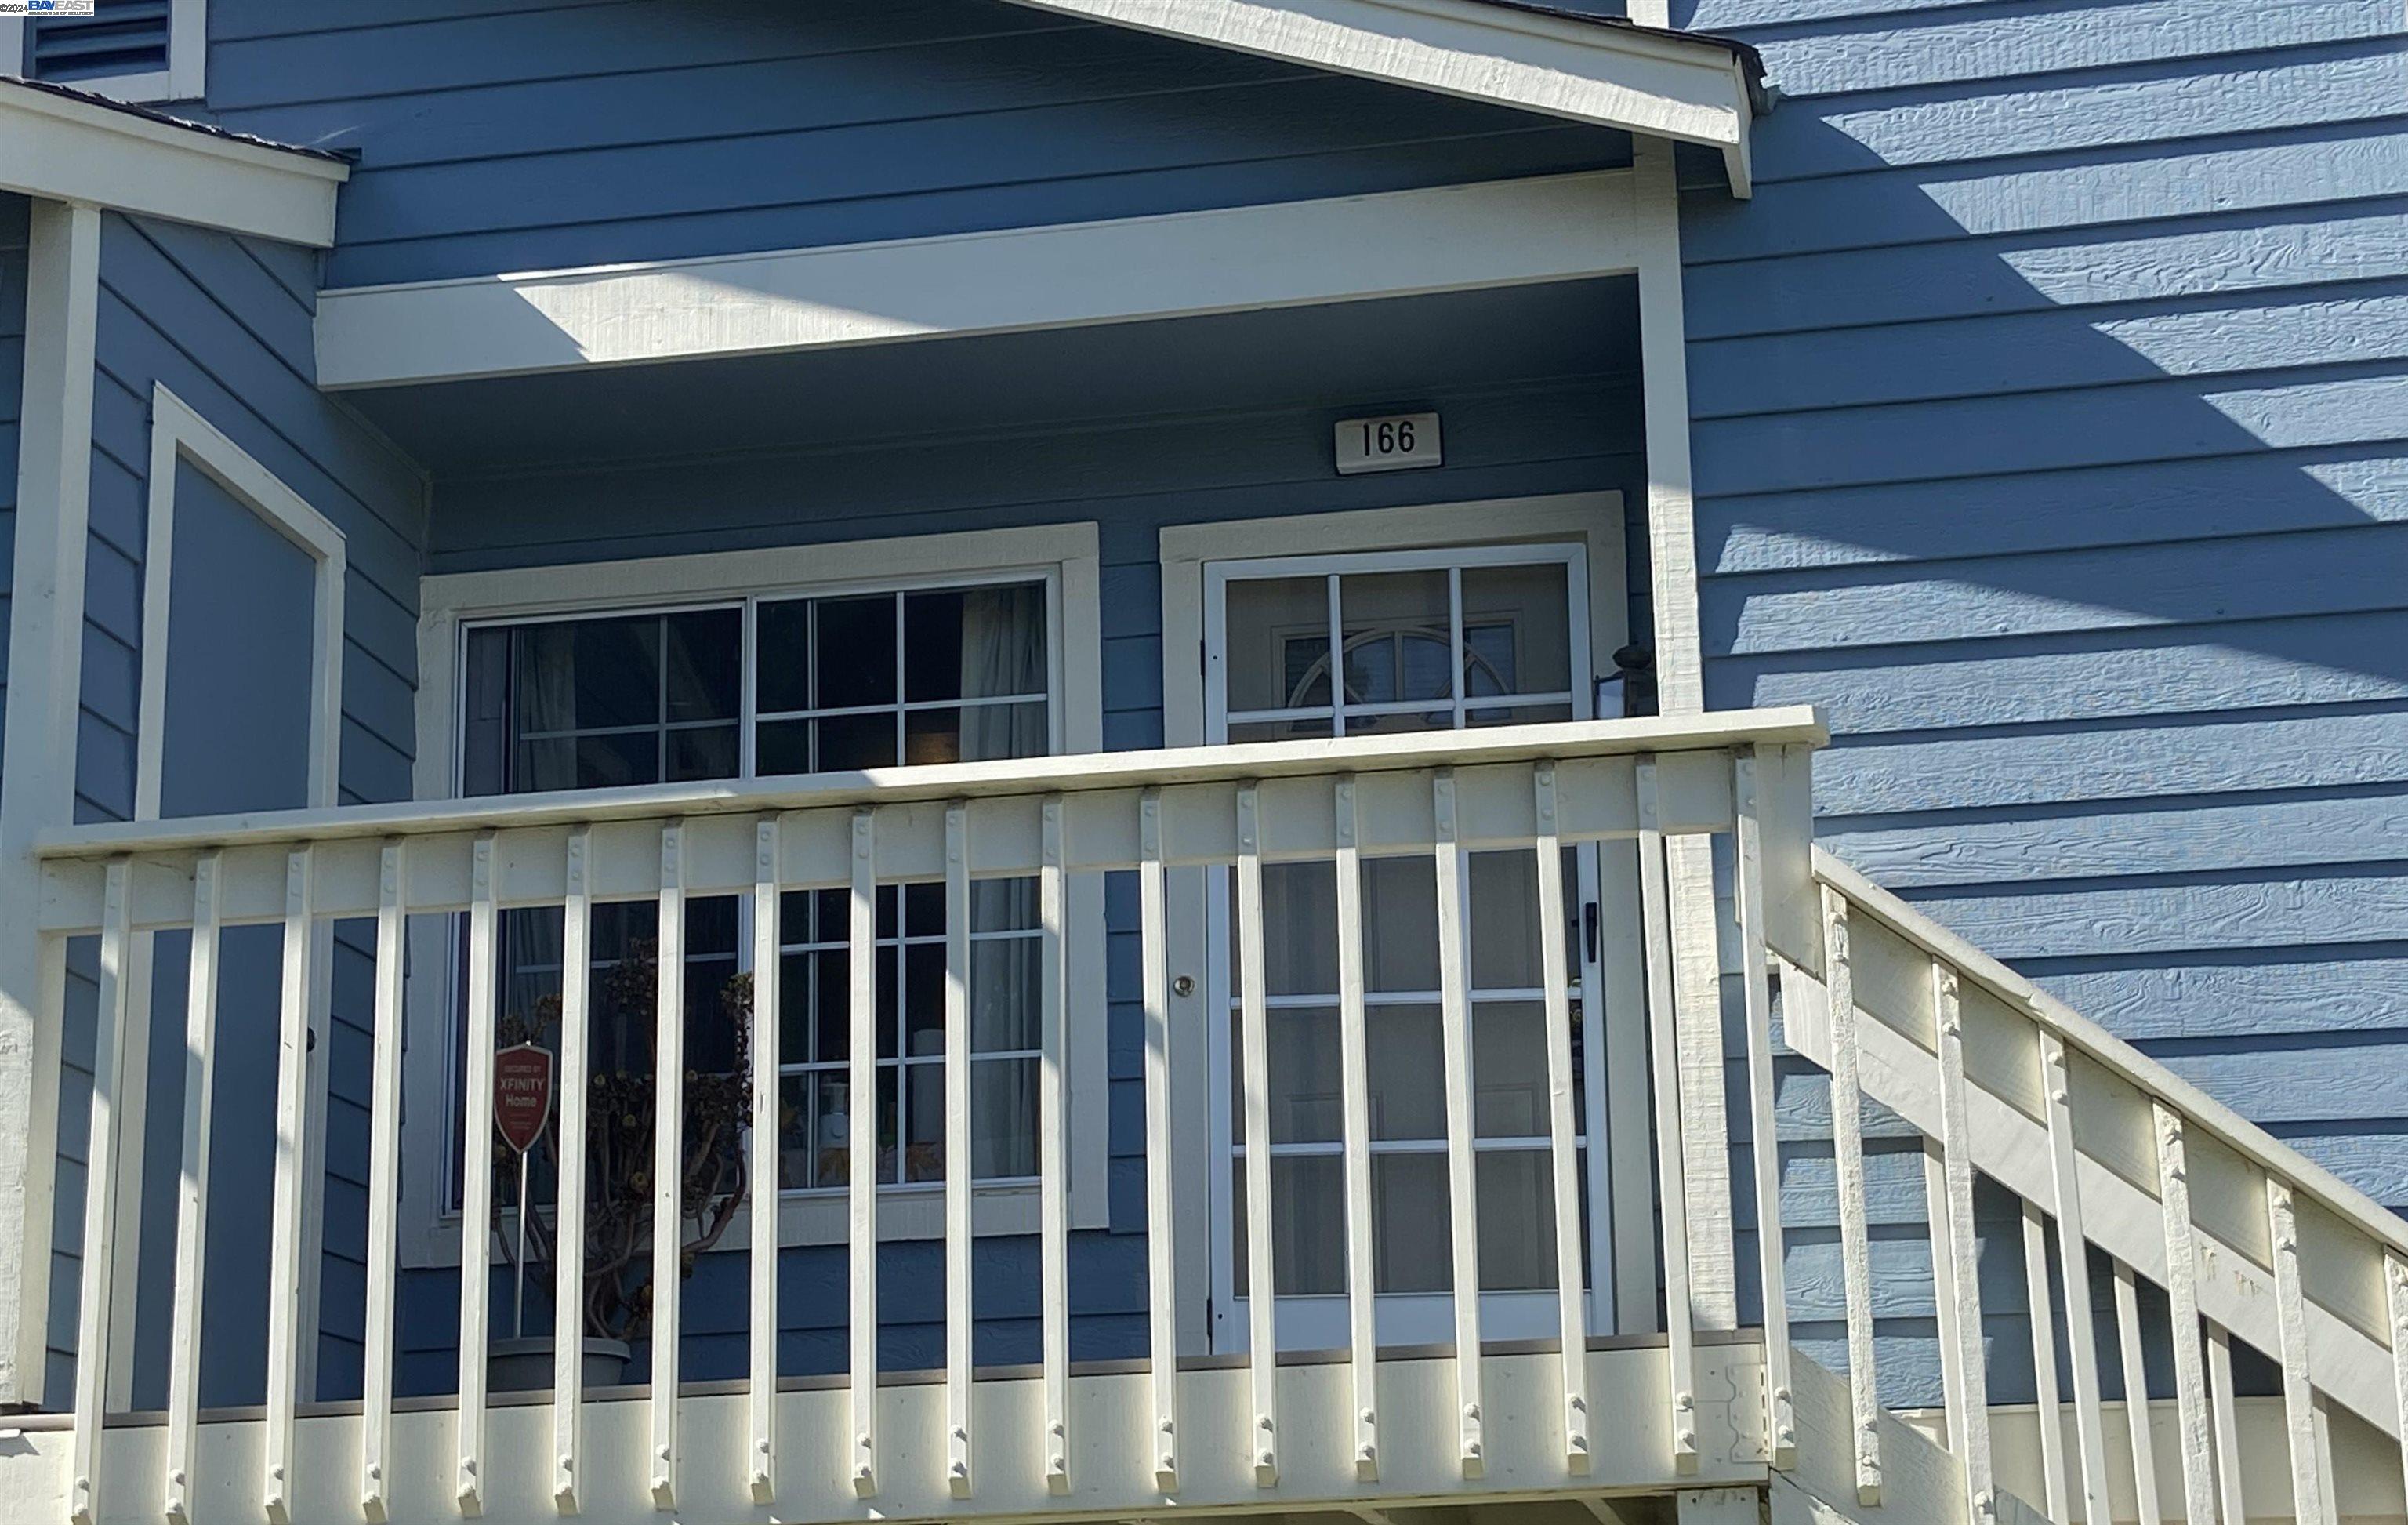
[[1529, 789], [2249, 1240]]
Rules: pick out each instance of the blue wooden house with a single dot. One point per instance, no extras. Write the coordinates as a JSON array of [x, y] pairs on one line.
[[1467, 762]]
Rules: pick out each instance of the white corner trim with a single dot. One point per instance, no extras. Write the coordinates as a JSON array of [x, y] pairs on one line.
[[59, 148], [1663, 86], [1295, 254], [37, 783], [1068, 555], [180, 435], [184, 79]]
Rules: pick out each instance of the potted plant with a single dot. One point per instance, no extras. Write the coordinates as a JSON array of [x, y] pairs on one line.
[[620, 1279]]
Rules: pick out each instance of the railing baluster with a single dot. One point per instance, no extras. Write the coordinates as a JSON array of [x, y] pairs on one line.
[[384, 1178], [569, 1263], [2048, 1412], [2328, 1484], [2181, 1296], [1943, 1292], [192, 1201], [476, 1177], [2395, 1273], [286, 1235], [1162, 1273], [1462, 1157], [2074, 1258], [100, 1190], [768, 1016], [958, 1228], [1554, 976], [1262, 1293], [1053, 1165], [1848, 1162], [1663, 1027], [2291, 1323], [1354, 1084], [861, 1168], [1781, 1417], [1974, 1387], [2136, 1392], [669, 1163], [2225, 1416]]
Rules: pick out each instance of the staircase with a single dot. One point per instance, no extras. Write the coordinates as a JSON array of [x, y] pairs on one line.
[[2250, 1245]]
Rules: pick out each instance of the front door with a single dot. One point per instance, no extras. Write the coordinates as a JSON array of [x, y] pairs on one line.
[[1381, 643]]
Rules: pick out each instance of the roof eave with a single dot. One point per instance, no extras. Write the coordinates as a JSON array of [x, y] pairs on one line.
[[1686, 87], [64, 145]]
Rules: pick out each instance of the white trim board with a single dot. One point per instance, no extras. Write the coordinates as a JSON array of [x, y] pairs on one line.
[[1400, 243], [1067, 554], [180, 434], [184, 79], [60, 149], [1650, 82], [37, 785]]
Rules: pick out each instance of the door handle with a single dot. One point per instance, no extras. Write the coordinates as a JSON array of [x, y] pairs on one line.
[[1589, 928]]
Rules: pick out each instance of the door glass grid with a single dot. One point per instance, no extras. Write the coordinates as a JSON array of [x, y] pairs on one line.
[[1422, 643], [1431, 648], [1405, 1077]]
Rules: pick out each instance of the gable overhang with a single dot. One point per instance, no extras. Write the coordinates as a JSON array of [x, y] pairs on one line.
[[58, 145], [1686, 87]]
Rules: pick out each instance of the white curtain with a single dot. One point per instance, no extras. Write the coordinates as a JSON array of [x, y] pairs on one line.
[[1003, 652]]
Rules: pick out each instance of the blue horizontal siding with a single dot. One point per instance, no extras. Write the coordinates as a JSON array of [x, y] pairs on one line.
[[503, 137], [2051, 402], [225, 322]]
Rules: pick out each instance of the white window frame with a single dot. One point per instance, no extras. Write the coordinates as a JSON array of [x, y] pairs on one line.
[[1065, 556], [181, 436], [1595, 519], [184, 79]]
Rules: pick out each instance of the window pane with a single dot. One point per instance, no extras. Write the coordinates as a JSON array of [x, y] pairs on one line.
[[704, 753], [1306, 1104], [977, 733], [1400, 640], [1407, 1072], [703, 658], [1307, 1224], [1278, 637], [852, 652], [1411, 1223], [782, 657], [1004, 985], [581, 674], [782, 746], [1003, 1119], [975, 643], [484, 721], [1523, 614], [923, 1156], [853, 741]]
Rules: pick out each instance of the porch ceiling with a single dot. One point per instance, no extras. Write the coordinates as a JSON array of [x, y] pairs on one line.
[[1358, 354]]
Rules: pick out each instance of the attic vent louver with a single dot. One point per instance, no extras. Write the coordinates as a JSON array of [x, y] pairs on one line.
[[120, 37]]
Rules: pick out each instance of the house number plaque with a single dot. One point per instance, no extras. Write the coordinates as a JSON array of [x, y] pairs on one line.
[[1395, 444]]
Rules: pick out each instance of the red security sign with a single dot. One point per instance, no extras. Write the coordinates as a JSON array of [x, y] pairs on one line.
[[522, 1095]]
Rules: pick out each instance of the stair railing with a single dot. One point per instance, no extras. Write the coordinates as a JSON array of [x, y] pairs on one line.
[[2251, 1242]]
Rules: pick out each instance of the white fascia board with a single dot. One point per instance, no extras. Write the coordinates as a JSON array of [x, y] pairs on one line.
[[59, 148], [1456, 238], [1692, 90]]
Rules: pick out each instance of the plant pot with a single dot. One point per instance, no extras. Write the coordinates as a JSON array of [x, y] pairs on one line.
[[525, 1365]]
